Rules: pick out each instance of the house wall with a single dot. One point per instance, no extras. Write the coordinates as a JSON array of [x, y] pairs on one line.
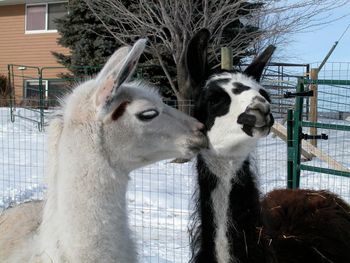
[[16, 47]]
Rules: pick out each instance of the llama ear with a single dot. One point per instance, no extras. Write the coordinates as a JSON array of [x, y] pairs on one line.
[[196, 60], [117, 58], [256, 68], [116, 72], [127, 68]]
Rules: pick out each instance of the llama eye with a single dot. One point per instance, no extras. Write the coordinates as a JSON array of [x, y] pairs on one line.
[[147, 115]]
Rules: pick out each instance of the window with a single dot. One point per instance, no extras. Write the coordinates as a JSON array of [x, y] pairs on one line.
[[36, 17], [55, 11], [52, 89], [57, 89], [31, 89], [41, 18]]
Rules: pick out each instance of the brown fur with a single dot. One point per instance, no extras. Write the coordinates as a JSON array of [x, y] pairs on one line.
[[120, 110], [307, 226], [17, 224]]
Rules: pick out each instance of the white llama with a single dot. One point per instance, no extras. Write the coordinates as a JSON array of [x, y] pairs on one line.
[[107, 128]]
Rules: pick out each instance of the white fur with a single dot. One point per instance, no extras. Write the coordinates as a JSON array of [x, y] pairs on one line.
[[220, 199], [90, 156], [225, 171]]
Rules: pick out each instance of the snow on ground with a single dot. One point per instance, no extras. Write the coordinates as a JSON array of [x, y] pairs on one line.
[[159, 196]]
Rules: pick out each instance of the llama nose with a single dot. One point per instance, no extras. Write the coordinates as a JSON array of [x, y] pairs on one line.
[[260, 104], [264, 108]]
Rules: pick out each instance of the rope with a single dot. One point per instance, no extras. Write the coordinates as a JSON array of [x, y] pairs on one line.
[[344, 33]]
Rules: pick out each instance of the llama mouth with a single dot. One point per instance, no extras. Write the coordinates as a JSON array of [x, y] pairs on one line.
[[246, 119], [256, 121], [198, 143], [250, 126]]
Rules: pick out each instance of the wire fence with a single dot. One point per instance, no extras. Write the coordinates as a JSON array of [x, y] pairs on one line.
[[333, 108], [159, 196]]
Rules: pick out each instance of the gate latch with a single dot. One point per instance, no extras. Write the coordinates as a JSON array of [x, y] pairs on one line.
[[288, 94], [305, 136]]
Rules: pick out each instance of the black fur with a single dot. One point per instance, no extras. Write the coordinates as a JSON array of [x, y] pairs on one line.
[[256, 68], [265, 95], [238, 88], [248, 122], [243, 233], [213, 102], [202, 242], [197, 53], [248, 130], [245, 118], [247, 242]]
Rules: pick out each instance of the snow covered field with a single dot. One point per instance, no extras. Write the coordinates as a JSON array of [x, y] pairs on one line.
[[159, 195]]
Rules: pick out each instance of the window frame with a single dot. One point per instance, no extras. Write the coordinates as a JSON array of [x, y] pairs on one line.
[[40, 31], [45, 84]]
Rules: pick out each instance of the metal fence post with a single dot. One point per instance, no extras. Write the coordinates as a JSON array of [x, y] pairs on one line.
[[290, 149], [313, 104], [41, 100], [12, 91], [294, 134], [297, 131]]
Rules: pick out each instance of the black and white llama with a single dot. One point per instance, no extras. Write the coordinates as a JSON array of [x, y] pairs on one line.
[[231, 224]]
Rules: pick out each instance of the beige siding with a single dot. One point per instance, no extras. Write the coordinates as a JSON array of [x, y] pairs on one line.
[[16, 47]]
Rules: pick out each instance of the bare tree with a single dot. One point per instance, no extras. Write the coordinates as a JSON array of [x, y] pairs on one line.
[[169, 24]]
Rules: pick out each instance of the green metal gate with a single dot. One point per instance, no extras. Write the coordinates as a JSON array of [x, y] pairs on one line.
[[33, 90], [18, 76], [36, 89], [300, 130]]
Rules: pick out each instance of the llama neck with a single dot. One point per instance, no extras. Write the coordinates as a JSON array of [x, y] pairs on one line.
[[86, 208], [228, 210]]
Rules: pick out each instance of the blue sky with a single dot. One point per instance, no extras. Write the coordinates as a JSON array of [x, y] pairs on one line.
[[314, 45]]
